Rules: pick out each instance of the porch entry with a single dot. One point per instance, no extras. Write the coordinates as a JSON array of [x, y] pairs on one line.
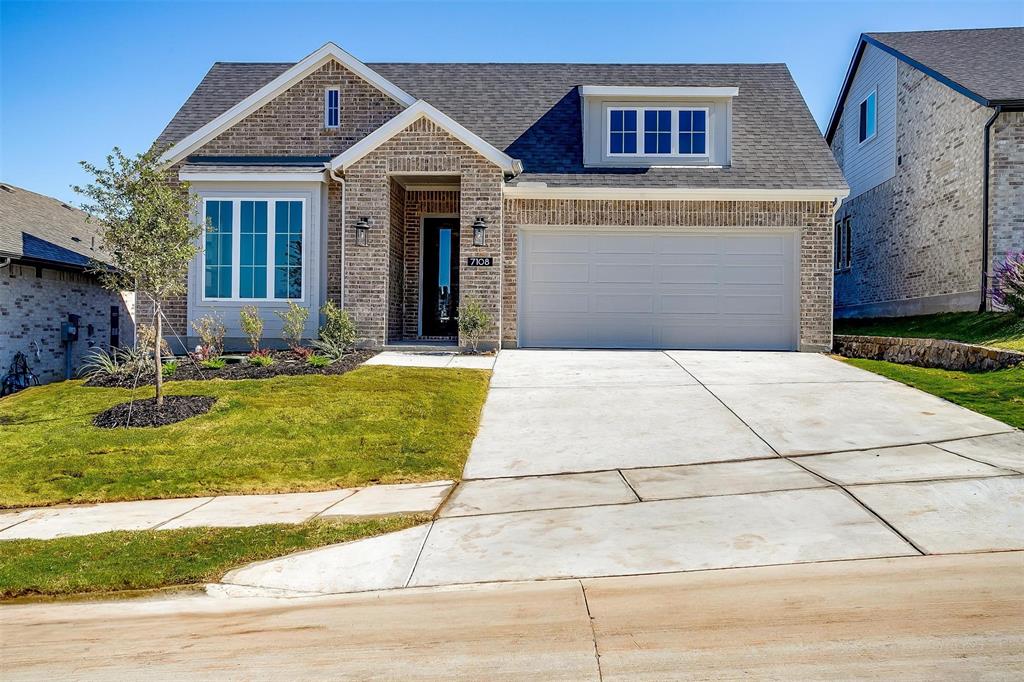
[[439, 294]]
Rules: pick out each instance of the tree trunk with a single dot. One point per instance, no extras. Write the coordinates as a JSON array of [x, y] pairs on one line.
[[156, 357]]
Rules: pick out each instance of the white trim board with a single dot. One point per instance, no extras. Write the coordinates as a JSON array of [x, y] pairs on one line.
[[640, 91], [412, 114], [290, 77], [542, 191], [236, 176]]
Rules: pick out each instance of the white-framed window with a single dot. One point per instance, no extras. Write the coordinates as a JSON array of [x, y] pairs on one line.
[[867, 119], [332, 108], [844, 244], [657, 131], [253, 249]]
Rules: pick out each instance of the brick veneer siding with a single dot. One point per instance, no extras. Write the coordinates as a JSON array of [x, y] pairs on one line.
[[396, 262], [814, 219], [1006, 186], [417, 205], [917, 237], [33, 308], [422, 148]]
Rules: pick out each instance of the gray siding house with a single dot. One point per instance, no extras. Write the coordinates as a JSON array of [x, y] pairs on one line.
[[46, 247], [929, 132]]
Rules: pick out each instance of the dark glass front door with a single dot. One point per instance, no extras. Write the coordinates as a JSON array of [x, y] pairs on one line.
[[440, 276]]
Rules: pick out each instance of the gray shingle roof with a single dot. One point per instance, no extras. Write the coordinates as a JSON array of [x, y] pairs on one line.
[[42, 228], [987, 61], [532, 112]]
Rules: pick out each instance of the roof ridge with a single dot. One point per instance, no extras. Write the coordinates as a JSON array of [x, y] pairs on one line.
[[946, 30]]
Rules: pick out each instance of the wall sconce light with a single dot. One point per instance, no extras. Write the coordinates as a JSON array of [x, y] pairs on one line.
[[362, 228], [479, 228]]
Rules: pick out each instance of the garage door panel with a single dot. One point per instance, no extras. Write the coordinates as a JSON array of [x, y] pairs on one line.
[[658, 290]]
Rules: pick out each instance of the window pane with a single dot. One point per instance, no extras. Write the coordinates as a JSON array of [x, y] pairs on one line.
[[685, 143], [217, 246], [870, 124], [863, 121], [616, 120], [657, 131], [616, 143], [629, 120], [629, 143], [650, 120], [288, 249], [650, 143], [252, 268], [699, 143], [685, 121], [700, 122]]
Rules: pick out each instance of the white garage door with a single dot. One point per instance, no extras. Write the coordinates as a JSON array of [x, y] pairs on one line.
[[608, 289]]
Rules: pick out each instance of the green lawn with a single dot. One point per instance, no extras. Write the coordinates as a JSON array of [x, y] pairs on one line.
[[998, 394], [1001, 330], [138, 560], [372, 425]]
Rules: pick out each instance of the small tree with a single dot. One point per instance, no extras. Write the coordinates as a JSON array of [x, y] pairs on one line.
[[252, 325], [146, 230], [473, 319]]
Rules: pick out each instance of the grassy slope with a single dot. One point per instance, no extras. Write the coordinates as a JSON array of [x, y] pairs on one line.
[[133, 560], [374, 424], [1001, 330], [998, 394]]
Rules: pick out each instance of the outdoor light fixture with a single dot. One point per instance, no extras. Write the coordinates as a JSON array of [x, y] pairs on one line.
[[479, 238], [362, 228]]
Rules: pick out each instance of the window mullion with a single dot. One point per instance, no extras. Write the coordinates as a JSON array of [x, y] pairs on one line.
[[271, 256], [236, 247], [674, 128]]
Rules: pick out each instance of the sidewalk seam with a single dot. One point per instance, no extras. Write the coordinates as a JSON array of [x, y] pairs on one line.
[[593, 630]]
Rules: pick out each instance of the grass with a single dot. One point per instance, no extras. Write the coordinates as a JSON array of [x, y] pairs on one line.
[[998, 394], [999, 330], [372, 425], [139, 560]]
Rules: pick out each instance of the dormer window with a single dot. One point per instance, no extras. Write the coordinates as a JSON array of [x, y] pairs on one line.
[[665, 131], [332, 108]]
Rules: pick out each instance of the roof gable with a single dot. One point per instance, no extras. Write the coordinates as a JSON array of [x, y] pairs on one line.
[[279, 83]]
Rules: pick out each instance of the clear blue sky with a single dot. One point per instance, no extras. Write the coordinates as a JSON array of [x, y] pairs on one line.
[[81, 77]]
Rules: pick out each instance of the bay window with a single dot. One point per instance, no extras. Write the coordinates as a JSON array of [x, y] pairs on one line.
[[665, 131], [252, 249]]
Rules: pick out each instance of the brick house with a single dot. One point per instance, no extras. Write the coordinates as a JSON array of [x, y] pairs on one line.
[[582, 205], [929, 132], [46, 248]]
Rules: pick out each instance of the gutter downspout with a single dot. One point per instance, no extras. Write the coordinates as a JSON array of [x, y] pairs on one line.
[[983, 306], [340, 179]]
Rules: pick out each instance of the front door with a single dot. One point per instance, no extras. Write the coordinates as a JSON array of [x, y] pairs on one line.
[[440, 295]]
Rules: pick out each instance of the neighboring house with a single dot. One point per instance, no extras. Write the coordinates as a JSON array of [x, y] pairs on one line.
[[929, 132], [583, 205], [46, 248]]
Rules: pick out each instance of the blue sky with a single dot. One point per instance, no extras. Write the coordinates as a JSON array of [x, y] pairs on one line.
[[77, 78]]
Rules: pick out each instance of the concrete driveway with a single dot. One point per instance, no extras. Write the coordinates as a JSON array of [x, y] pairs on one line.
[[598, 463]]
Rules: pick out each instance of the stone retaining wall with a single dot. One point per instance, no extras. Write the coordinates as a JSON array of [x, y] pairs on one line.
[[926, 352]]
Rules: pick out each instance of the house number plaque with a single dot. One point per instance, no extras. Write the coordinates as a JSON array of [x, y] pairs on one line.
[[480, 261]]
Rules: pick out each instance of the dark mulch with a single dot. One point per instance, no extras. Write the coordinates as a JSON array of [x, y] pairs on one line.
[[286, 363], [176, 408]]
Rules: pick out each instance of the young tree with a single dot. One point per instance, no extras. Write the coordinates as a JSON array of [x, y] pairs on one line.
[[146, 230]]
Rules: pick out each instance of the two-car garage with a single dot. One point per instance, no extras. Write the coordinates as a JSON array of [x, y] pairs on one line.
[[615, 288]]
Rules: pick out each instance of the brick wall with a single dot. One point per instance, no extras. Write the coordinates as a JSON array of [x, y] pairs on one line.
[[917, 237], [1006, 186], [421, 148], [813, 218], [33, 308], [417, 205], [396, 262]]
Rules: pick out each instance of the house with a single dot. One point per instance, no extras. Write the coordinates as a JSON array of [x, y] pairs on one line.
[[582, 205], [52, 309], [929, 132]]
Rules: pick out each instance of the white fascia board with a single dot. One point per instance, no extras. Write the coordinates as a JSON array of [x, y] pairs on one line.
[[275, 87], [536, 191], [235, 176], [626, 91], [422, 109]]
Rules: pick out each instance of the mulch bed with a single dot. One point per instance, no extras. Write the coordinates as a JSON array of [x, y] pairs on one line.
[[145, 413], [286, 363]]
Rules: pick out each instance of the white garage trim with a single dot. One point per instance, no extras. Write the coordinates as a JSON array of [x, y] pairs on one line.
[[667, 308]]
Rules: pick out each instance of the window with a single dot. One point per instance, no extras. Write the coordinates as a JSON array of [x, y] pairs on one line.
[[657, 131], [252, 249], [676, 131], [623, 131], [332, 108], [868, 117], [844, 244]]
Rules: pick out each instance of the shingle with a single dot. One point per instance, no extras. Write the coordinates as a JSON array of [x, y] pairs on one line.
[[43, 228], [532, 112], [987, 61]]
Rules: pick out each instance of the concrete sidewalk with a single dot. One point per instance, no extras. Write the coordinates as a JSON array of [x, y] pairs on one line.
[[918, 618], [224, 511]]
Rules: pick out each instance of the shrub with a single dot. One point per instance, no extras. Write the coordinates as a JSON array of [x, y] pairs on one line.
[[301, 352], [100, 363], [331, 350], [473, 319], [1008, 283], [338, 328], [315, 360], [210, 330], [145, 339], [170, 368], [213, 363], [252, 325], [261, 358], [294, 320]]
